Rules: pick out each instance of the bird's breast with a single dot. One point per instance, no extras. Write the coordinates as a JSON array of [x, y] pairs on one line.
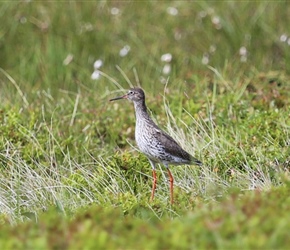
[[146, 139]]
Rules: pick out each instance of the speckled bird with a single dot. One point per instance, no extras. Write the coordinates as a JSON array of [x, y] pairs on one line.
[[157, 145]]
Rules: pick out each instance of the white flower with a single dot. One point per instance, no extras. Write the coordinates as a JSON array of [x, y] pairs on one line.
[[172, 11], [166, 69], [243, 51], [217, 22], [98, 63], [166, 57], [283, 38], [96, 75], [115, 11], [124, 51], [68, 59]]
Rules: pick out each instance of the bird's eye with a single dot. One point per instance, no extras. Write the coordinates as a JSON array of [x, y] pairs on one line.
[[131, 92]]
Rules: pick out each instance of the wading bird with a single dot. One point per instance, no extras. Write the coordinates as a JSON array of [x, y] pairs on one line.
[[158, 146]]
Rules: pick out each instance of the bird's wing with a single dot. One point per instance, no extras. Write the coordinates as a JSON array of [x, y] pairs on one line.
[[171, 146]]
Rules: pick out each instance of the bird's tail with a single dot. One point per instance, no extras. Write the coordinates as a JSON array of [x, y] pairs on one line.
[[196, 161]]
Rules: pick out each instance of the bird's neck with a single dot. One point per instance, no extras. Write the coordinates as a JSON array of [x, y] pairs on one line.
[[141, 111]]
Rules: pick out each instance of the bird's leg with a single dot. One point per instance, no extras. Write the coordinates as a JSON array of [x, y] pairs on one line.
[[154, 179], [153, 184], [171, 185]]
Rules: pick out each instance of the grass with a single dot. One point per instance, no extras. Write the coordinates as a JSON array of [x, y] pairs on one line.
[[204, 227], [71, 176]]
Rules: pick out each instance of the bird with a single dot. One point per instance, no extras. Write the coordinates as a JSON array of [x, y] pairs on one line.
[[157, 145]]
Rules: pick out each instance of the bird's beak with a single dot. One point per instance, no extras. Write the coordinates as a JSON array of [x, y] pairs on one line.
[[120, 97]]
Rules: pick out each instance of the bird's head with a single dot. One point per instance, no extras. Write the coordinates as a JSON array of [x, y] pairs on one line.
[[134, 94]]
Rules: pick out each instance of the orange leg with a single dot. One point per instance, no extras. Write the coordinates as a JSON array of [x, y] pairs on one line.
[[171, 185], [153, 184]]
